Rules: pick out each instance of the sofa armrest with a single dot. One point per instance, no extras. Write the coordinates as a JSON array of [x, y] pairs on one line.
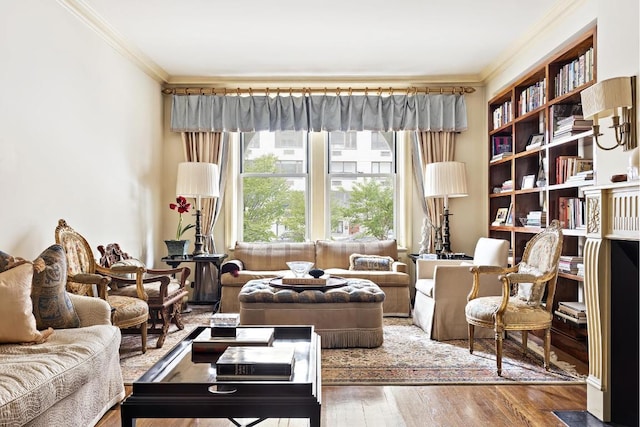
[[232, 266], [425, 268], [91, 310], [400, 267]]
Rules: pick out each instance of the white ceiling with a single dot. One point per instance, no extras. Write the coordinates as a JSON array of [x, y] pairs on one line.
[[207, 40]]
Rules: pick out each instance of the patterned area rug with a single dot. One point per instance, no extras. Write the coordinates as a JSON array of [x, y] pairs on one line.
[[407, 356]]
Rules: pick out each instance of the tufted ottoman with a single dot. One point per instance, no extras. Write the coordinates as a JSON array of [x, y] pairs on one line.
[[347, 316]]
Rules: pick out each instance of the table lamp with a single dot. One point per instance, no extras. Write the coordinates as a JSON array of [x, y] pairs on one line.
[[198, 180], [445, 179]]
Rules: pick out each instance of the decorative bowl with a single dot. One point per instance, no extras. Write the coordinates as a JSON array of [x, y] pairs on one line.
[[299, 268]]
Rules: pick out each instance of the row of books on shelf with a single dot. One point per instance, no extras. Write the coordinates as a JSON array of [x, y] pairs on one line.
[[573, 311], [532, 97], [569, 166], [571, 212], [571, 264], [574, 74], [502, 114]]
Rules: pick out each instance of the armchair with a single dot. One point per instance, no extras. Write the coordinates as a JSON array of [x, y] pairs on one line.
[[163, 289], [524, 311], [442, 287], [85, 277]]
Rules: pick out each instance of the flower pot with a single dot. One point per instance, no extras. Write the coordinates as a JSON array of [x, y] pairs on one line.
[[177, 248]]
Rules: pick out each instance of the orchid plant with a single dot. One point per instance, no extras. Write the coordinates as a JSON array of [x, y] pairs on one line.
[[181, 206]]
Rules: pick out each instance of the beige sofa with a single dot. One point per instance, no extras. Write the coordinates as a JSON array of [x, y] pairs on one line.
[[266, 260], [72, 379]]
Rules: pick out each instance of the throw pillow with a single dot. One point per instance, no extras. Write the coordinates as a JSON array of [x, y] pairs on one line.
[[18, 323], [52, 306], [370, 262], [129, 262], [531, 293]]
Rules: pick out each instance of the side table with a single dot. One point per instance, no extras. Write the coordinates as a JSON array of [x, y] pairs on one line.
[[201, 262]]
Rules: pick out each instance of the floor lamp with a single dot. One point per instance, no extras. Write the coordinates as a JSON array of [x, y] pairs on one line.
[[445, 180], [198, 180]]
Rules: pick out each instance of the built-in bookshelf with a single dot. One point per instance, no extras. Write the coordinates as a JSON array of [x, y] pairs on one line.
[[542, 156]]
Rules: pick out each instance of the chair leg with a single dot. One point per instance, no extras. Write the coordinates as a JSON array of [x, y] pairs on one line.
[[471, 332], [143, 334], [176, 316], [499, 351], [547, 348], [165, 326], [525, 336]]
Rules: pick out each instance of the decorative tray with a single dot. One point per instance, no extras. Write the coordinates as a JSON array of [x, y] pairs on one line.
[[332, 282]]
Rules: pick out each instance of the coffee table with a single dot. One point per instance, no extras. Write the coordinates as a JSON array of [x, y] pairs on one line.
[[179, 387]]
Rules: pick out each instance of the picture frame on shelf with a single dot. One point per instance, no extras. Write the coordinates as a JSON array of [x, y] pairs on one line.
[[509, 220], [528, 182], [501, 216], [501, 146], [535, 140]]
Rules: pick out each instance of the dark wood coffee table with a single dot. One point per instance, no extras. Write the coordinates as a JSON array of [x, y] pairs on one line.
[[181, 385]]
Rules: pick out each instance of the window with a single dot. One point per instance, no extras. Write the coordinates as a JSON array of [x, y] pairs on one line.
[[353, 176], [362, 202], [274, 175]]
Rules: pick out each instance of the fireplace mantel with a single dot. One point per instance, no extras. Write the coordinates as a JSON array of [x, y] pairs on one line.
[[612, 215]]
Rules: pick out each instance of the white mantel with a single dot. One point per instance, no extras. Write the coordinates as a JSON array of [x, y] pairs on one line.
[[613, 213]]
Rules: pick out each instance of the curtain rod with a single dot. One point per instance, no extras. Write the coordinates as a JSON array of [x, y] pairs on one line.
[[309, 90]]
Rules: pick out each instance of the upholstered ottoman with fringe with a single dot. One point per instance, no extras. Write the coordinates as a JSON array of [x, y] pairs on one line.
[[345, 316]]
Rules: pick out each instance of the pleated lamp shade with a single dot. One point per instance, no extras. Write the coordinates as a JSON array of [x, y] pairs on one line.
[[445, 179], [197, 179], [603, 98]]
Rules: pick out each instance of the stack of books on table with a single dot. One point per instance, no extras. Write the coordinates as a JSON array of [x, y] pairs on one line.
[[572, 311], [256, 364], [569, 264], [206, 342]]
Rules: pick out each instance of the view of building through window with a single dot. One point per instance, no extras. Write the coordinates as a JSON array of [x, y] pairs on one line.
[[275, 186]]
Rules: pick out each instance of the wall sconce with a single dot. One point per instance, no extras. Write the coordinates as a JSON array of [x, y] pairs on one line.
[[603, 99], [445, 179], [198, 180]]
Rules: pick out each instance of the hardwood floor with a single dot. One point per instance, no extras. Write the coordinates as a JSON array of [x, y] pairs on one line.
[[419, 406], [396, 406]]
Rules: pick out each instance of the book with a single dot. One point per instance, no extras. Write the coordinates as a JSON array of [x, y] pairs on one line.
[[565, 317], [574, 308], [257, 363], [206, 343]]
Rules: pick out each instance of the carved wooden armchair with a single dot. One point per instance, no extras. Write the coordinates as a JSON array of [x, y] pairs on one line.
[[129, 313], [163, 289], [524, 311]]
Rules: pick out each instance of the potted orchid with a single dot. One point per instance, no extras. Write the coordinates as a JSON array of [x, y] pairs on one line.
[[179, 246]]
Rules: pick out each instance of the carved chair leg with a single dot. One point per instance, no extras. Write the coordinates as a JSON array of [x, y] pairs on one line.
[[525, 336], [471, 332], [143, 333], [547, 348], [177, 316], [165, 326], [499, 351]]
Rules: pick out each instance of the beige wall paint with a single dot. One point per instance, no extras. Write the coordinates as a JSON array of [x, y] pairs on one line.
[[81, 135]]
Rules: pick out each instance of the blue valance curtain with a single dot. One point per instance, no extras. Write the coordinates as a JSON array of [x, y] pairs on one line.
[[418, 112]]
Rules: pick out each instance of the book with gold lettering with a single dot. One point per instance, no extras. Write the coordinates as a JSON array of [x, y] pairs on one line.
[[255, 363]]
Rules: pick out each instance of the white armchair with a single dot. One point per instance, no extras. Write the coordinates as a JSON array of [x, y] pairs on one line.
[[442, 287]]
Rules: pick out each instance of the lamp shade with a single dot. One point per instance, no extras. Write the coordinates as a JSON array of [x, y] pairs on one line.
[[602, 99], [197, 179], [445, 179]]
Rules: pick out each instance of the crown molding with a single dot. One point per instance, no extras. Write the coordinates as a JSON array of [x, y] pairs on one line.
[[553, 18], [90, 17]]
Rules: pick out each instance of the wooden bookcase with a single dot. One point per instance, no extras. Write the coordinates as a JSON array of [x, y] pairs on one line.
[[522, 121]]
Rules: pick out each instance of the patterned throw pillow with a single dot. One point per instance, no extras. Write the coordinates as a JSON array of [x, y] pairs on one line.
[[531, 293], [18, 324], [51, 304], [129, 262], [370, 262]]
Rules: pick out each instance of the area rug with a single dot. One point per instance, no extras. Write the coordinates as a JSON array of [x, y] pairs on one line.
[[407, 357]]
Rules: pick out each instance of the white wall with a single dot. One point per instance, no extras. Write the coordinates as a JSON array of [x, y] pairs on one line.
[[81, 135]]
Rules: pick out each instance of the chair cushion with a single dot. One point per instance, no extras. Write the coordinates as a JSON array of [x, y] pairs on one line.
[[52, 306], [152, 289], [128, 311], [518, 312], [18, 323], [370, 262], [530, 293]]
